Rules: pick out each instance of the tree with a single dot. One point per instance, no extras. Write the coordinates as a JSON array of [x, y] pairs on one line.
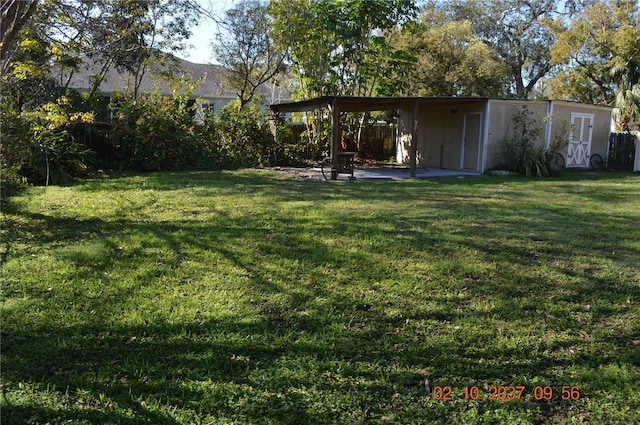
[[120, 33], [513, 29], [600, 52], [247, 50], [627, 110], [15, 14], [49, 39], [450, 59], [131, 34], [46, 39], [341, 47]]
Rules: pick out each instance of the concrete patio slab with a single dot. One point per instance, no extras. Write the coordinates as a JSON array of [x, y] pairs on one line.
[[381, 173]]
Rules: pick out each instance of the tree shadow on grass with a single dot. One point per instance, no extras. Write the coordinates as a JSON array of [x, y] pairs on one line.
[[126, 369], [321, 320]]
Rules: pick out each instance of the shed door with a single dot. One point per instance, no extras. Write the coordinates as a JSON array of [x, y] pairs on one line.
[[579, 149], [471, 141]]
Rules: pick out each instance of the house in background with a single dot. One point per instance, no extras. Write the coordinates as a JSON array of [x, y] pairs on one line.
[[212, 93], [466, 133]]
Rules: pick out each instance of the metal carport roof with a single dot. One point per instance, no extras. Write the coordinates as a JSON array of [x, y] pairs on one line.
[[366, 104]]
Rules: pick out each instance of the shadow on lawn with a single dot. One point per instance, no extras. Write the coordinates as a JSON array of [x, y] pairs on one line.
[[120, 366], [312, 328], [124, 369]]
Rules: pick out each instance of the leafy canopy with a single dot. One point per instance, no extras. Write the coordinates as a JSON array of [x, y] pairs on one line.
[[342, 47]]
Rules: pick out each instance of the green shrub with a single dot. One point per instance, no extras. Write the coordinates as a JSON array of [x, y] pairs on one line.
[[157, 132], [16, 148], [57, 158], [35, 116], [524, 150], [32, 153], [296, 146], [243, 136]]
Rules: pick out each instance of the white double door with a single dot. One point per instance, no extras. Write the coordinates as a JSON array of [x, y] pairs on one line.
[[579, 149]]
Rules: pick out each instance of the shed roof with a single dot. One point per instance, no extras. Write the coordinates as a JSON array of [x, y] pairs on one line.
[[364, 104]]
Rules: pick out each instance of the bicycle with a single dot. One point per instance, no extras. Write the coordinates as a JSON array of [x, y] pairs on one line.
[[596, 162]]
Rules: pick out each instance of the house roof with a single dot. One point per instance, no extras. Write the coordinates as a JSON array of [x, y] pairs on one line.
[[212, 85]]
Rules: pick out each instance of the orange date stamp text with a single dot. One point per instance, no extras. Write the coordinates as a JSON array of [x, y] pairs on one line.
[[507, 393]]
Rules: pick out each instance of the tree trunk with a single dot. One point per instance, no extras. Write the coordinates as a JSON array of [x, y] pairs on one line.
[[15, 15]]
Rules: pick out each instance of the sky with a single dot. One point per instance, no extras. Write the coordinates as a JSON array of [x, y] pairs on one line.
[[203, 34]]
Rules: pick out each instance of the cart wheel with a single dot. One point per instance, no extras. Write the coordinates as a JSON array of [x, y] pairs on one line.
[[352, 179], [596, 162]]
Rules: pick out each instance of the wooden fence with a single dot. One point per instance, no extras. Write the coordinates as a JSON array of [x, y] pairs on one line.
[[622, 149]]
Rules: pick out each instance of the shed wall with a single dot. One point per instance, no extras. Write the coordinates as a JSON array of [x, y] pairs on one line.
[[440, 134], [561, 121], [501, 126], [441, 130]]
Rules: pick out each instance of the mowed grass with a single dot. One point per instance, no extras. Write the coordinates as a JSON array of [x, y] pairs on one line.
[[245, 297]]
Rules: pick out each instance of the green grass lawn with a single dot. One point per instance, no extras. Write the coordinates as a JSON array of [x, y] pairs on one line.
[[244, 297]]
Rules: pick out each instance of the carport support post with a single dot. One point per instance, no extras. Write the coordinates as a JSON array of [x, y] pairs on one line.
[[335, 138], [414, 141]]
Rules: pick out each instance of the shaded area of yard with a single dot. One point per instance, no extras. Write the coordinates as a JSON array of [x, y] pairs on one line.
[[244, 297]]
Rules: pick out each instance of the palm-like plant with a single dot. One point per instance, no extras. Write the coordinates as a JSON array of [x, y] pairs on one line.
[[626, 112]]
